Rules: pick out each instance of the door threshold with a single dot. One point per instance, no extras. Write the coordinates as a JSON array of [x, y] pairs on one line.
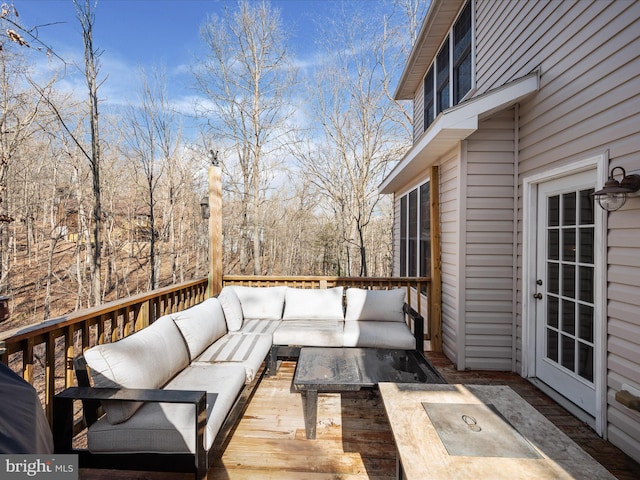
[[561, 400]]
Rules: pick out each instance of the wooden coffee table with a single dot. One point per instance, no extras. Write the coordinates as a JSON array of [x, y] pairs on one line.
[[331, 370]]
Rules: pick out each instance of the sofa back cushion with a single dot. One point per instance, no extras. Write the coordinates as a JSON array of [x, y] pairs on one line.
[[376, 305], [313, 303], [147, 359], [265, 303], [231, 307], [201, 325]]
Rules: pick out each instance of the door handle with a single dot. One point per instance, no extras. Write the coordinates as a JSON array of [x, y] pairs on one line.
[[537, 296]]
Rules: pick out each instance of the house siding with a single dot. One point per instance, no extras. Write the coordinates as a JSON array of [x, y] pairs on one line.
[[418, 113], [450, 244], [489, 247], [588, 103]]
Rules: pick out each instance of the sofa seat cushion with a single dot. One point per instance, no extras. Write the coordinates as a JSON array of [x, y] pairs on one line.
[[259, 325], [261, 302], [169, 428], [376, 305], [249, 350], [147, 359], [313, 303], [201, 325], [232, 308], [376, 334], [309, 333]]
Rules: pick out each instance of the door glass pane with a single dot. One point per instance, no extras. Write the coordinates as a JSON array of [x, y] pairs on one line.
[[554, 244], [586, 207], [553, 278], [568, 317], [585, 281], [553, 215], [569, 208], [568, 352], [585, 361], [569, 280], [552, 345], [569, 244], [552, 311], [585, 322], [586, 245]]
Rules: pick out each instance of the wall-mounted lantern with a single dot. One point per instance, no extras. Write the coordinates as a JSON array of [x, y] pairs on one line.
[[204, 207], [614, 193]]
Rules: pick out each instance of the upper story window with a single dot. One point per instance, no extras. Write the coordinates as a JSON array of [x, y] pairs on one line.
[[449, 78]]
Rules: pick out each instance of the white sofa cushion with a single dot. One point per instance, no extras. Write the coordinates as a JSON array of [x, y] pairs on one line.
[[310, 303], [310, 333], [256, 325], [169, 428], [376, 305], [248, 350], [231, 307], [376, 334], [201, 325], [265, 303], [147, 359]]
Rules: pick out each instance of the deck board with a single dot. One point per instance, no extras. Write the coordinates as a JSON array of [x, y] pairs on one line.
[[353, 440]]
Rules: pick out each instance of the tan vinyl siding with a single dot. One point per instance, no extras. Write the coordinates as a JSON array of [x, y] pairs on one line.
[[589, 57], [418, 113], [450, 235], [489, 285]]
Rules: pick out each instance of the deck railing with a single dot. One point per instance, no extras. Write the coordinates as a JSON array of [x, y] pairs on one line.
[[43, 353]]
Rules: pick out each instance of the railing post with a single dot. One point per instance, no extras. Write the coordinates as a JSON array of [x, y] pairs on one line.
[[435, 298], [215, 229]]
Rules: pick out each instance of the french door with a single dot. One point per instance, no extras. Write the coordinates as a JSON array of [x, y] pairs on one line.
[[565, 293]]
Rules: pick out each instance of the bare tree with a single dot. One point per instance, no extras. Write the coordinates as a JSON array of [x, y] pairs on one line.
[[86, 17], [362, 130], [248, 77]]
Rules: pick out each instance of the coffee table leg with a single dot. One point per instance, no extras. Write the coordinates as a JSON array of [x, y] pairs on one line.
[[310, 412]]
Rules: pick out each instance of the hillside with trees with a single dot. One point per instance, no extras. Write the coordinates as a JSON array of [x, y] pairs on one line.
[[99, 203]]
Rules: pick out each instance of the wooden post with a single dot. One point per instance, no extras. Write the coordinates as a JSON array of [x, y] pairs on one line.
[[435, 302], [215, 230]]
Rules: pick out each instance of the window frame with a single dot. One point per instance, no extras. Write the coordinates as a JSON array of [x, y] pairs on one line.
[[415, 233], [451, 80]]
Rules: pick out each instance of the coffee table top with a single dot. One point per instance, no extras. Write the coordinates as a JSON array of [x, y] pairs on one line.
[[426, 449], [340, 369]]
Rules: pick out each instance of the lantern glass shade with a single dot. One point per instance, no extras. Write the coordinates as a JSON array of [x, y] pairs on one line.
[[612, 201], [614, 193]]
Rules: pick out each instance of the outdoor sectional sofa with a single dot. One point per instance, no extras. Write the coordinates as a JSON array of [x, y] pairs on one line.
[[212, 356]]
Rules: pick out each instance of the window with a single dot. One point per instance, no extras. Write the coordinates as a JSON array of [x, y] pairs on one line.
[[429, 111], [442, 77], [452, 69], [415, 233], [462, 55]]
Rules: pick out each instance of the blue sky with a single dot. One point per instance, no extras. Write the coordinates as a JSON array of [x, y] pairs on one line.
[[135, 33]]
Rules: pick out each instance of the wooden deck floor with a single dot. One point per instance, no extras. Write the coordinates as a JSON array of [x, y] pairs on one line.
[[353, 437]]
